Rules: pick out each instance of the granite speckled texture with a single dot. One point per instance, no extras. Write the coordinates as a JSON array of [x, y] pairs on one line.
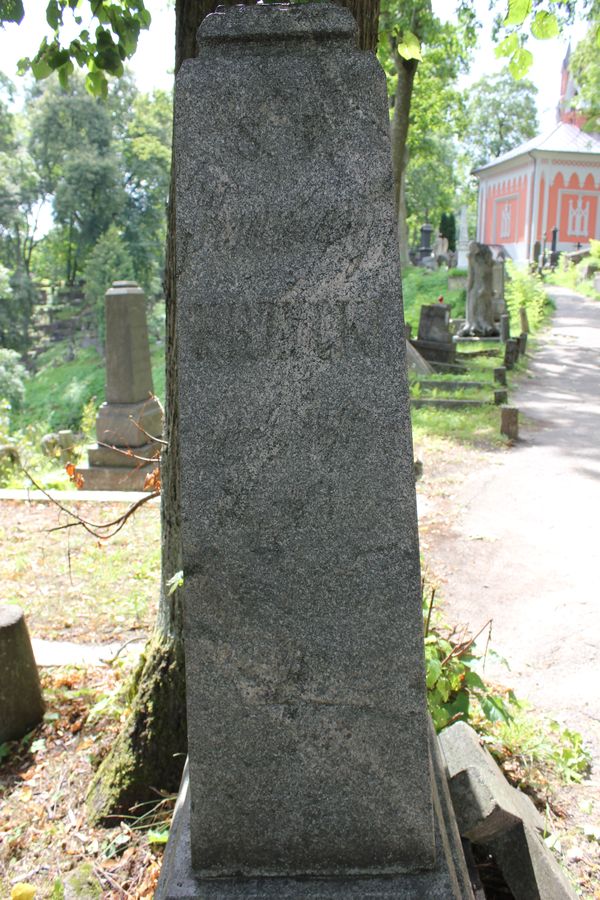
[[308, 729]]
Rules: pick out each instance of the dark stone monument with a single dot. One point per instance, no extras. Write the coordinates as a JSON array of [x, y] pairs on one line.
[[434, 341], [312, 770], [511, 353], [509, 422], [504, 327], [21, 703], [500, 375], [434, 323], [425, 249], [131, 412]]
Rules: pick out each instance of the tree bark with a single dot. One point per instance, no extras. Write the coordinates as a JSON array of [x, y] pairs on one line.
[[150, 750], [366, 14], [406, 70]]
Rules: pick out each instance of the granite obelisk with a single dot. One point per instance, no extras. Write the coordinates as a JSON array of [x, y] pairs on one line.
[[309, 751]]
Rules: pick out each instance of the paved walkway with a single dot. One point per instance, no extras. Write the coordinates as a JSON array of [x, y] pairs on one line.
[[524, 545]]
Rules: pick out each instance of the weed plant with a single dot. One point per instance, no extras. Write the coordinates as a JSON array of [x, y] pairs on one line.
[[532, 752], [525, 289]]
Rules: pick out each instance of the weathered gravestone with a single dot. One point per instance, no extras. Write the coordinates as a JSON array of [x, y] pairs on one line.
[[480, 308], [312, 772], [434, 323], [434, 341], [131, 415], [21, 703]]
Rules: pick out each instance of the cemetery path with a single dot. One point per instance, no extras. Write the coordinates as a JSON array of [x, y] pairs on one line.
[[513, 535]]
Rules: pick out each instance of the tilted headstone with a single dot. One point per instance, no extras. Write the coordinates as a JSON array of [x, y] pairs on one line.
[[131, 417], [434, 323], [21, 703], [309, 755]]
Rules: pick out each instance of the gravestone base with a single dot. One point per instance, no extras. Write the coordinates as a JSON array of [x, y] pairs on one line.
[[449, 880], [114, 478], [436, 351]]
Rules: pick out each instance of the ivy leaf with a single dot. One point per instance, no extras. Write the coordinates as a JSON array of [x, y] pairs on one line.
[[54, 15], [40, 68], [518, 10], [96, 84], [410, 46], [520, 63], [508, 46], [11, 11], [63, 73], [544, 26]]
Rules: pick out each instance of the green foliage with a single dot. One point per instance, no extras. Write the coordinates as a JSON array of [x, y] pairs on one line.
[[447, 229], [585, 68], [525, 289], [500, 116], [101, 50], [12, 378], [537, 749], [421, 286], [540, 19], [455, 690], [108, 261]]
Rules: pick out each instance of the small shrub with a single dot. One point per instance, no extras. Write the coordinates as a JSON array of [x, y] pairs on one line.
[[525, 289], [12, 378]]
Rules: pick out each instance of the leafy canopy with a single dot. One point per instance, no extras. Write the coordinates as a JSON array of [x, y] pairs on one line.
[[107, 35]]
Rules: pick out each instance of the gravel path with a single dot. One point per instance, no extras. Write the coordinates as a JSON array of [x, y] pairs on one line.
[[517, 538]]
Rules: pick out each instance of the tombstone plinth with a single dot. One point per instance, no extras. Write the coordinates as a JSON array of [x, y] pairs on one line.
[[131, 416], [312, 772]]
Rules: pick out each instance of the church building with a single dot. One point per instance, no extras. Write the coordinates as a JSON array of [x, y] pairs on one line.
[[550, 181]]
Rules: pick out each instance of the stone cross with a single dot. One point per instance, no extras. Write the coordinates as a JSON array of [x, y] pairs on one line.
[[131, 416], [311, 770]]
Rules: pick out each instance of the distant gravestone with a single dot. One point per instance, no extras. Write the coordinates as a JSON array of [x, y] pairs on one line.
[[434, 341], [504, 327], [434, 323], [21, 703], [511, 353], [131, 417], [309, 750], [462, 244], [480, 308]]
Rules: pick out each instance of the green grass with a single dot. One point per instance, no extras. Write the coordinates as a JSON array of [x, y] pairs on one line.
[[571, 279], [420, 286]]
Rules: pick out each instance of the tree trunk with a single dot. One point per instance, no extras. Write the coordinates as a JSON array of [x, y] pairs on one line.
[[366, 13], [406, 70], [150, 750]]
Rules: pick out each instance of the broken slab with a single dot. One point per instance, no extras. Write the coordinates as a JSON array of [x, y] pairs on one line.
[[415, 362], [485, 803], [492, 813], [529, 867]]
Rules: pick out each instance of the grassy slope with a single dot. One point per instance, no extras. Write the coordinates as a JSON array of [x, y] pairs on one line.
[[58, 392]]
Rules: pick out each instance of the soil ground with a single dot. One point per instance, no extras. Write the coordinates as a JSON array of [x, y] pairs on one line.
[[512, 535]]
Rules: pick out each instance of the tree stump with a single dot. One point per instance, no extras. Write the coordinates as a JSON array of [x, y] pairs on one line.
[[21, 703]]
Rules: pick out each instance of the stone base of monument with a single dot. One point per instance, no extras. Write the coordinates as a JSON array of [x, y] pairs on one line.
[[436, 351], [114, 478], [449, 880]]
